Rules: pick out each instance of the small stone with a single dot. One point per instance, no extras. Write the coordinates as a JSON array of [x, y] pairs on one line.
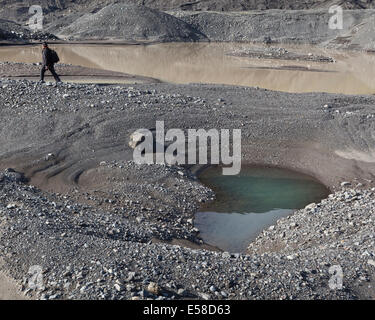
[[130, 287], [345, 184], [118, 287], [267, 40], [213, 289], [205, 296], [138, 137], [181, 292], [224, 294], [153, 288], [310, 206], [131, 276], [11, 206], [49, 156], [226, 254]]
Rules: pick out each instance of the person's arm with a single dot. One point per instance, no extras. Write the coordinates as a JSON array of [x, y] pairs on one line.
[[44, 56]]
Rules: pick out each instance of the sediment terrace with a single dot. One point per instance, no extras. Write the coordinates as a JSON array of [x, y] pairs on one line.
[[327, 136], [73, 139], [101, 227]]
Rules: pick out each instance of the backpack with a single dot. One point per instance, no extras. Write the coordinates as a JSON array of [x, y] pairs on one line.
[[53, 56]]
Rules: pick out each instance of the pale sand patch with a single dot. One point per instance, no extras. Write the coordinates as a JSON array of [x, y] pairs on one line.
[[352, 154], [9, 289]]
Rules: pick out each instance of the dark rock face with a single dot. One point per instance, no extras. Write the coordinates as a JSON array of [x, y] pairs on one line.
[[10, 175]]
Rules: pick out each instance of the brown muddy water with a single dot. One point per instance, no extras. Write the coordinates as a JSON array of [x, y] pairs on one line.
[[352, 73]]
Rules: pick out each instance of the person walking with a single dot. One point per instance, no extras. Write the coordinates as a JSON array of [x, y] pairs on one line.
[[49, 59]]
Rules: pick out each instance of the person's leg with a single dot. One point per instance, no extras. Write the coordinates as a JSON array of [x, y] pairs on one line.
[[52, 69], [42, 72]]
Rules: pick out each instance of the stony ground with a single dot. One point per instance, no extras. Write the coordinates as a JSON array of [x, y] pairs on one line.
[[94, 225], [279, 54], [340, 228], [285, 26], [101, 226], [88, 253]]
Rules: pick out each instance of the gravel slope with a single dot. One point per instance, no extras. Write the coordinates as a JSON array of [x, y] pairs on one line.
[[285, 26], [131, 22], [10, 30], [86, 253], [54, 9], [288, 21], [95, 239]]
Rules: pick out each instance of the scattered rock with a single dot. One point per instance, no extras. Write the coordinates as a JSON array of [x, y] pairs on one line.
[[153, 288]]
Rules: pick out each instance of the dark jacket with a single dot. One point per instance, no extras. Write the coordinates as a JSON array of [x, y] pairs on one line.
[[46, 54]]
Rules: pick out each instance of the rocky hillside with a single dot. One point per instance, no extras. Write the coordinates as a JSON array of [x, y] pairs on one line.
[[97, 245], [217, 20], [285, 26], [131, 22], [10, 30], [54, 9], [240, 5]]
